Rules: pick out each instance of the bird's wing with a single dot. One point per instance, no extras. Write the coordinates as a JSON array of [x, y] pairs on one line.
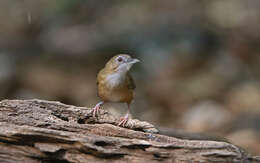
[[130, 82], [97, 80], [100, 76]]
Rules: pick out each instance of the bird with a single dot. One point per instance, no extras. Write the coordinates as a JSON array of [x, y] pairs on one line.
[[115, 84]]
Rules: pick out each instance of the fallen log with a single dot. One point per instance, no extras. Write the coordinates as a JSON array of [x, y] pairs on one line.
[[34, 131]]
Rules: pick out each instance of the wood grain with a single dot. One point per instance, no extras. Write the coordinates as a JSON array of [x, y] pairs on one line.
[[35, 131]]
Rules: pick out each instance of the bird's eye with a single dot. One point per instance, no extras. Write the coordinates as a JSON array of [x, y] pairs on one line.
[[119, 59]]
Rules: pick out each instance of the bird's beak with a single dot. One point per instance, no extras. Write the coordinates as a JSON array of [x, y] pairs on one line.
[[133, 60]]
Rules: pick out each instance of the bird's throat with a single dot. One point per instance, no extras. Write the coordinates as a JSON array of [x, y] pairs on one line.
[[115, 79]]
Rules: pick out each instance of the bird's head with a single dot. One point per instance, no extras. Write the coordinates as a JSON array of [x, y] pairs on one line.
[[121, 63]]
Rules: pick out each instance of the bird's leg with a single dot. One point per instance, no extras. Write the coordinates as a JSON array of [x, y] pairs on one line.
[[95, 110], [124, 120]]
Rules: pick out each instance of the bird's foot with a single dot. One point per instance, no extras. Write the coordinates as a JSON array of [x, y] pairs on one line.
[[95, 110], [123, 120]]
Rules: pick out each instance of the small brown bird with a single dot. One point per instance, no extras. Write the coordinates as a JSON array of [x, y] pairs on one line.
[[115, 84]]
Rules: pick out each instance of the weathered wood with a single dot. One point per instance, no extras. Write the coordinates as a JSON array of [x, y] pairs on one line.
[[44, 131]]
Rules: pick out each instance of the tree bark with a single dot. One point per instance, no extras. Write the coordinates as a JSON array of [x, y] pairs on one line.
[[43, 131]]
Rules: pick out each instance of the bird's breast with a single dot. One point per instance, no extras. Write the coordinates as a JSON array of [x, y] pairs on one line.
[[114, 88]]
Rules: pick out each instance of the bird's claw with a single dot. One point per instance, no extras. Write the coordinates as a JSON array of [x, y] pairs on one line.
[[123, 121], [95, 110]]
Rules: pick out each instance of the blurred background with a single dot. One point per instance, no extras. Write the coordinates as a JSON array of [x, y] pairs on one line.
[[200, 69]]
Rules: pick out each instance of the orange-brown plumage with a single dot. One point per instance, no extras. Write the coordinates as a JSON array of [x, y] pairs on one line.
[[121, 93], [114, 81]]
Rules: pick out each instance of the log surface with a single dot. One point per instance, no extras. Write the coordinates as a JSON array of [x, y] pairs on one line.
[[34, 131]]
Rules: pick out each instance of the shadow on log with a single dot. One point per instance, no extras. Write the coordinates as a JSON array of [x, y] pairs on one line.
[[35, 131]]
